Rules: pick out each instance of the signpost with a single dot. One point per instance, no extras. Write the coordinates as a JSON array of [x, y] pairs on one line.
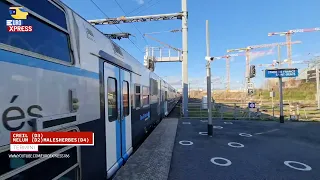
[[250, 85], [251, 105], [250, 89], [280, 73]]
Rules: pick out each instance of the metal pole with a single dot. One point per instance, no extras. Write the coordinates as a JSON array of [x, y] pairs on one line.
[[247, 69], [189, 90], [279, 57], [281, 100], [185, 57], [280, 89], [228, 72], [272, 106], [317, 76], [247, 74], [210, 127]]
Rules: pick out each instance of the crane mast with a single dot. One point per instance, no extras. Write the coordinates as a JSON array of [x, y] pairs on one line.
[[288, 39], [227, 57], [247, 51]]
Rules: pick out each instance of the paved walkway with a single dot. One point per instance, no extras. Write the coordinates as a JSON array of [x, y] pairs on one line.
[[152, 160], [246, 150]]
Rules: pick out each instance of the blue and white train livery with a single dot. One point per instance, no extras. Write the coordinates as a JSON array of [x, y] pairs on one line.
[[66, 75]]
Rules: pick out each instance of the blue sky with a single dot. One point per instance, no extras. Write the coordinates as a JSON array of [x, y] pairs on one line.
[[233, 24]]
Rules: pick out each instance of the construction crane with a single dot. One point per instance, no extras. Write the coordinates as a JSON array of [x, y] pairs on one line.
[[275, 63], [247, 50], [227, 57], [288, 38], [266, 65]]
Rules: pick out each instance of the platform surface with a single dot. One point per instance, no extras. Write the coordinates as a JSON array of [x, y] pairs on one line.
[[152, 160], [262, 156]]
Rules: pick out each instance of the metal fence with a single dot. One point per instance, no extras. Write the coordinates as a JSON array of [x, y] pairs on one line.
[[263, 111]]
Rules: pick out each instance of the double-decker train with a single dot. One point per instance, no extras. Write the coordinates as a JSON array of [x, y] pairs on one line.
[[66, 75]]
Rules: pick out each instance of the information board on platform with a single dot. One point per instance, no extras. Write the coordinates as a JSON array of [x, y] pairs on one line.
[[276, 73]]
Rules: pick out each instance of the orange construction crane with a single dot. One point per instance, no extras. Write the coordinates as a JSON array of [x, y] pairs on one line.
[[227, 57], [288, 37], [247, 50]]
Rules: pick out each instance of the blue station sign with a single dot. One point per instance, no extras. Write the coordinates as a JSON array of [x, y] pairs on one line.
[[276, 73]]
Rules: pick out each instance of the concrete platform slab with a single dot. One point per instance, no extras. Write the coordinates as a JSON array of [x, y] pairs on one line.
[[152, 160], [274, 151]]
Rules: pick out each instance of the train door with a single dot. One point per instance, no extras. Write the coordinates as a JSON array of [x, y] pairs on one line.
[[166, 103], [159, 98], [118, 117]]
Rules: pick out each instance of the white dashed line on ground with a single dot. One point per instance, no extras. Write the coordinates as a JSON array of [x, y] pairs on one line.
[[185, 143], [228, 123], [204, 120], [228, 162], [217, 127], [245, 134], [288, 163], [203, 133], [267, 131], [186, 123], [235, 145]]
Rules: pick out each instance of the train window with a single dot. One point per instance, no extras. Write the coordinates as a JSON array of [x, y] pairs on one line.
[[166, 95], [112, 99], [40, 171], [14, 161], [125, 96], [35, 167], [44, 39], [71, 175], [137, 96], [145, 96], [47, 10], [154, 86]]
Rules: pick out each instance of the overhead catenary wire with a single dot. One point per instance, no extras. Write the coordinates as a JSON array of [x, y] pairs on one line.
[[139, 7], [133, 23], [115, 24], [172, 31], [147, 8]]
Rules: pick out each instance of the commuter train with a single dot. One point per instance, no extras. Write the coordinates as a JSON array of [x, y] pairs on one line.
[[66, 75]]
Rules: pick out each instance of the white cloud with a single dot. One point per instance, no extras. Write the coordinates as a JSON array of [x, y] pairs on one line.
[[140, 1]]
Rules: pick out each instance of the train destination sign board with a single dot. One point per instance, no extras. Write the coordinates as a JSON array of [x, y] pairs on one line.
[[276, 73]]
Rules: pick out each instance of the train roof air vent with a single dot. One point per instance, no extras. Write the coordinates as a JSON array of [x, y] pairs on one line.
[[117, 49]]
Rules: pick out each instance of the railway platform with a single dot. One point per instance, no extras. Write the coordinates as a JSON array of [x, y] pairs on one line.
[[238, 150], [246, 150]]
